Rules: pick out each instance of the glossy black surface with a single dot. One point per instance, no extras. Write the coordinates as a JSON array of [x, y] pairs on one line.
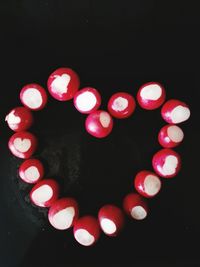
[[113, 46]]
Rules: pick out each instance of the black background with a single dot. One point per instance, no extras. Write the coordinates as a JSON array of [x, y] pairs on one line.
[[113, 46]]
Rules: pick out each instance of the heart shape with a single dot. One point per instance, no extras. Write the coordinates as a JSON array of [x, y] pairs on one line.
[[22, 145], [63, 85], [11, 118], [60, 83]]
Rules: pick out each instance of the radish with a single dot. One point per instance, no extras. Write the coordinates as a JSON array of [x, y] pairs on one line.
[[111, 219], [147, 183], [63, 213], [33, 96], [63, 83], [99, 123], [170, 136], [22, 144], [87, 100], [121, 105], [135, 206], [87, 230], [19, 119], [151, 95], [31, 171], [175, 111], [166, 163], [45, 193]]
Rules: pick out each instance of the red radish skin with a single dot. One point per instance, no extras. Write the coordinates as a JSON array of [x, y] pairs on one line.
[[86, 230], [63, 213], [63, 83], [121, 105], [87, 100], [170, 136], [151, 95], [111, 220], [175, 111], [31, 171], [135, 206], [19, 119], [33, 96], [22, 144], [99, 124], [44, 193], [147, 184], [166, 163]]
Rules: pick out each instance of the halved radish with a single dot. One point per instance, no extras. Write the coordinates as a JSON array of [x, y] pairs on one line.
[[33, 96], [45, 193], [170, 136], [63, 83], [31, 171], [166, 163], [175, 111], [147, 183], [135, 206], [121, 105], [111, 219], [22, 144], [151, 95], [63, 213], [19, 119], [87, 100], [99, 123], [87, 230]]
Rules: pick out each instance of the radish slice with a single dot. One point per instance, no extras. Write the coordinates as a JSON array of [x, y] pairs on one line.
[[19, 119], [45, 193], [166, 163], [63, 213], [147, 183], [86, 230], [151, 95], [175, 111], [63, 83], [31, 171], [121, 105], [22, 144], [87, 100], [135, 206], [99, 124], [111, 219], [33, 96], [170, 136]]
